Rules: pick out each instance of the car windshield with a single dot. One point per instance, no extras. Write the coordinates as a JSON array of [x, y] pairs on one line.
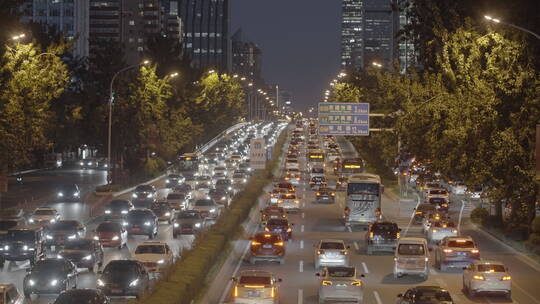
[[278, 222], [6, 224], [138, 214], [341, 272], [254, 280], [44, 212], [144, 188], [317, 170], [204, 202], [223, 182], [160, 206], [80, 244], [176, 196], [216, 192], [491, 268], [123, 267], [153, 249], [238, 175], [411, 249], [108, 227], [48, 265], [363, 188], [187, 215], [68, 188], [190, 178], [433, 296], [64, 225], [119, 204], [174, 176], [204, 178], [332, 245], [285, 186], [461, 243], [22, 235], [318, 178]]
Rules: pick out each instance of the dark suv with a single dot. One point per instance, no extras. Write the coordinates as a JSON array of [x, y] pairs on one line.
[[142, 221], [267, 246], [59, 233], [82, 296], [117, 209], [174, 180], [50, 276], [85, 253], [69, 192], [382, 236], [23, 243], [124, 278], [143, 196]]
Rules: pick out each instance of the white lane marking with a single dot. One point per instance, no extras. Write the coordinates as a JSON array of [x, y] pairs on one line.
[[432, 271], [377, 297], [365, 267], [301, 244], [349, 228], [302, 228], [301, 296], [303, 214], [301, 266], [460, 215], [412, 215], [229, 284], [514, 284], [356, 246]]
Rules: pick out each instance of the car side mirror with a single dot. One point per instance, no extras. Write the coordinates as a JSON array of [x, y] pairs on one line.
[[292, 224], [348, 247], [464, 268], [100, 272], [233, 279], [279, 280], [400, 295], [399, 229], [365, 228], [317, 274], [28, 269], [430, 249]]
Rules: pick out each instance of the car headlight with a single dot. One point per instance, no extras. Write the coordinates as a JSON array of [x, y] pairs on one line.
[[230, 188], [124, 211], [167, 181], [54, 282], [134, 283], [6, 247], [25, 247], [147, 223], [223, 198], [60, 194], [244, 180], [106, 165], [31, 220], [96, 238], [107, 211], [197, 225], [53, 221], [59, 256], [149, 195], [134, 195], [175, 225], [31, 282], [81, 163], [88, 257], [212, 210], [167, 214], [100, 283], [72, 237], [49, 237], [115, 238], [76, 194], [124, 223], [161, 261], [89, 163]]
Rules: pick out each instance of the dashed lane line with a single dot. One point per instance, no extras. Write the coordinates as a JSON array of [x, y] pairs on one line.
[[356, 246], [301, 244], [365, 267], [377, 297], [349, 229], [302, 228], [229, 284], [301, 296], [301, 266], [303, 214]]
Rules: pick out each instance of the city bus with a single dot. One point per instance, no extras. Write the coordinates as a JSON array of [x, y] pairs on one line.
[[363, 199], [350, 166], [188, 163], [315, 158]]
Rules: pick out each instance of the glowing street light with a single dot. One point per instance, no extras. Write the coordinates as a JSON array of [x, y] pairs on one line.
[[492, 19], [17, 37], [376, 64], [211, 72], [173, 75], [496, 20]]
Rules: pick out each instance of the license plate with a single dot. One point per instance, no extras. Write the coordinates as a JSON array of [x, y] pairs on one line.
[[254, 294], [267, 246], [462, 253], [277, 230]]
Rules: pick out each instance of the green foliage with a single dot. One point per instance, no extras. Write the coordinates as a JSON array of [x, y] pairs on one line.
[[478, 215], [109, 188], [154, 166], [535, 226]]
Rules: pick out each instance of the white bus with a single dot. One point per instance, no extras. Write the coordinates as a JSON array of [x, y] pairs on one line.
[[363, 200]]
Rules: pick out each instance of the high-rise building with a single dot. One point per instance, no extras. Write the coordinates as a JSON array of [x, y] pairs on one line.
[[206, 33], [66, 16], [132, 23], [369, 33], [246, 58], [407, 50]]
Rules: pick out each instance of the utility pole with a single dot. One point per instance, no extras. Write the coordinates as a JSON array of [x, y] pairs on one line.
[[277, 96]]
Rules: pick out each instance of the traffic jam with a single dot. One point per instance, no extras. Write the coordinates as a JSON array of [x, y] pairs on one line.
[[323, 216], [138, 235]]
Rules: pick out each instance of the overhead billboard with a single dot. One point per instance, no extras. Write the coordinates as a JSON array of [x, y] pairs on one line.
[[351, 119]]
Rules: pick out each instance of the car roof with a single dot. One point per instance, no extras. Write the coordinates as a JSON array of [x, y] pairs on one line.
[[488, 262], [413, 240]]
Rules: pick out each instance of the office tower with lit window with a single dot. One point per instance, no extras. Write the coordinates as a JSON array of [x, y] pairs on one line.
[[206, 33], [246, 58]]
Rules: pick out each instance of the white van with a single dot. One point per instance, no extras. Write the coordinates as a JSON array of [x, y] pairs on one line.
[[411, 257]]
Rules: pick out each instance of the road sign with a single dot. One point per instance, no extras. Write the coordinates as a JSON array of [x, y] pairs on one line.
[[257, 154], [350, 119]]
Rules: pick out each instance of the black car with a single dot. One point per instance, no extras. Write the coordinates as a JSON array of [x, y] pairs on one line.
[[82, 296], [117, 209], [50, 276], [224, 184], [163, 211], [422, 211], [84, 253], [69, 192], [425, 294], [59, 233], [143, 196], [382, 236], [124, 278], [174, 180], [23, 243], [220, 196], [188, 222], [142, 221]]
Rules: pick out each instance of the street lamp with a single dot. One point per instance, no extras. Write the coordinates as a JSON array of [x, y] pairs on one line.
[[376, 64], [17, 37], [111, 99], [496, 20], [173, 75]]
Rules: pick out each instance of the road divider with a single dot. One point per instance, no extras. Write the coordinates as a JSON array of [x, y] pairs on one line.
[[187, 277]]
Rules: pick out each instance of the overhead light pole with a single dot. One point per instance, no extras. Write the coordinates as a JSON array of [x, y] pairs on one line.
[[497, 20], [111, 99]]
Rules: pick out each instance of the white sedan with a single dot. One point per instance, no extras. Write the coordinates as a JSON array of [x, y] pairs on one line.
[[155, 256], [487, 276]]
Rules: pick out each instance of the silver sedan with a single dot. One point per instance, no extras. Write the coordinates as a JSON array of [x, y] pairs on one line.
[[340, 283]]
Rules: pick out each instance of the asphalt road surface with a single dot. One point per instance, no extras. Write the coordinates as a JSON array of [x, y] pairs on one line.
[[318, 221]]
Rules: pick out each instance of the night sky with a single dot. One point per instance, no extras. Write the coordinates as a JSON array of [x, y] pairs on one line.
[[300, 41]]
